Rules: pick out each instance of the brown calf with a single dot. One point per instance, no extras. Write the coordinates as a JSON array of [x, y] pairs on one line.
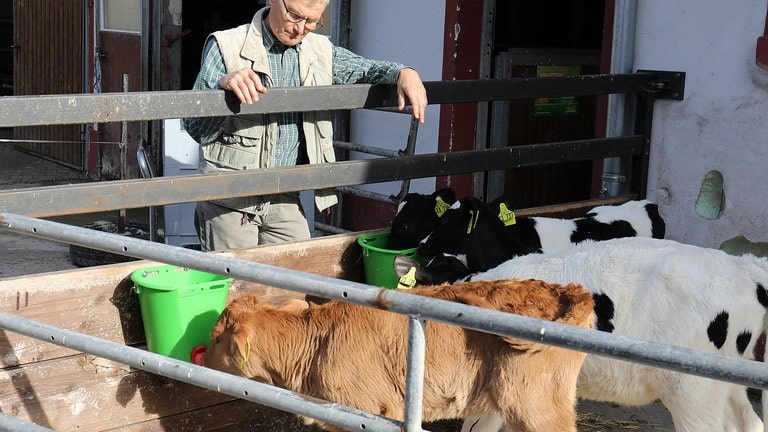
[[356, 355]]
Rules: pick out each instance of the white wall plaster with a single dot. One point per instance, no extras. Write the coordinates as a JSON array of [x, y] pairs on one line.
[[720, 125], [411, 33]]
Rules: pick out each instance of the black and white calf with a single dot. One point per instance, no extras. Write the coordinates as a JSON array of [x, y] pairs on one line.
[[636, 218], [666, 292], [475, 234], [419, 214], [416, 217]]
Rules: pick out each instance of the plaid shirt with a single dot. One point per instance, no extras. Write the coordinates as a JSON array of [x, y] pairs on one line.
[[348, 68]]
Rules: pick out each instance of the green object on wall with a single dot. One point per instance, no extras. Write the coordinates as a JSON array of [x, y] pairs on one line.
[[711, 199]]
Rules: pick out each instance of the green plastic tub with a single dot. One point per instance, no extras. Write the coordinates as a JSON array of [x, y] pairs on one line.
[[179, 307], [378, 261]]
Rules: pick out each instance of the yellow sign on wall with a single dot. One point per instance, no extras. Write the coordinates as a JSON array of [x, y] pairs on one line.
[[556, 106]]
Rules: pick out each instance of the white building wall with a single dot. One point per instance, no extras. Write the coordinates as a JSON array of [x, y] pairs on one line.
[[722, 124], [409, 32]]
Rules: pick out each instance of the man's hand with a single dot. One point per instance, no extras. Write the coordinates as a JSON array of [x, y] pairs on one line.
[[409, 86], [245, 84]]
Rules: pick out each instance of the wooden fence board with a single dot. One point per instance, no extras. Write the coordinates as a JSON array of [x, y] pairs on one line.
[[100, 301]]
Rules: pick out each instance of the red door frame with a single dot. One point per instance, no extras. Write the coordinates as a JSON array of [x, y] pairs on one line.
[[461, 61]]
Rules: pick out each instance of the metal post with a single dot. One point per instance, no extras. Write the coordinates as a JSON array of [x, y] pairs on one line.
[[121, 222], [616, 170], [410, 149], [414, 373]]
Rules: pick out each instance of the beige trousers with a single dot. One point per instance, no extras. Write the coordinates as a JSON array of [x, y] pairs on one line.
[[222, 228]]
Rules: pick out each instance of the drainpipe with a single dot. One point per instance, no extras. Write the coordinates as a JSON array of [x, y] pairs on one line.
[[616, 169]]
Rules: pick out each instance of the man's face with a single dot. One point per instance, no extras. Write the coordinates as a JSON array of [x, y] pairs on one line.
[[291, 20]]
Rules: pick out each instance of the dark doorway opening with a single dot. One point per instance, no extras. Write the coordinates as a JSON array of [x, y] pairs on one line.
[[535, 39], [550, 24], [6, 48], [204, 18]]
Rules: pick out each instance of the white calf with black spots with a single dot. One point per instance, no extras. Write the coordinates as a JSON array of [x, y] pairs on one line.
[[666, 292]]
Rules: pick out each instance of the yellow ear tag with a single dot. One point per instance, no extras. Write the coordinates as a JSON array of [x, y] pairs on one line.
[[408, 280], [441, 206], [506, 215], [247, 353], [473, 221]]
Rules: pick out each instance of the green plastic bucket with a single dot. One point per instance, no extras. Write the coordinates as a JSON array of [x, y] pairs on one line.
[[378, 261], [179, 307]]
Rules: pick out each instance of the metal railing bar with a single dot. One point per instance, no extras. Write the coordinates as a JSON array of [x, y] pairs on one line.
[[10, 423], [735, 370], [378, 151], [143, 106], [191, 373], [365, 194], [330, 228], [125, 194]]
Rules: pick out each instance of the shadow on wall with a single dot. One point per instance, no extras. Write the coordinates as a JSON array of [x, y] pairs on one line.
[[740, 245]]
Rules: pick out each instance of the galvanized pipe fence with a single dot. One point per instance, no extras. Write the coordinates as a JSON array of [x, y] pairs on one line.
[[87, 198], [201, 376], [417, 308]]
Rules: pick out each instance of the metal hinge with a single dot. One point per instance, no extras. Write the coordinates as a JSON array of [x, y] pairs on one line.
[[666, 84]]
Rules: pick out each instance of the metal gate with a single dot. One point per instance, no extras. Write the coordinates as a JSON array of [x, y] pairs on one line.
[[648, 86]]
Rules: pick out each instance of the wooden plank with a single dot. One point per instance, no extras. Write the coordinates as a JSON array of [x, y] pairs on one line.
[[89, 393], [573, 209], [65, 390], [235, 416], [100, 301]]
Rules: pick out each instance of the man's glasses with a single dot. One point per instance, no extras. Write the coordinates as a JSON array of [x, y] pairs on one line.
[[296, 18]]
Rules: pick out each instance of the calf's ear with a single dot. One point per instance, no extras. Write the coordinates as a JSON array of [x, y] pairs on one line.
[[293, 305], [242, 344], [402, 264], [472, 299], [446, 194], [444, 198]]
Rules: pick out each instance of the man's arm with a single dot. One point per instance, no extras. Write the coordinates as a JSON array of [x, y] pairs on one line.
[[350, 68], [205, 129], [410, 87]]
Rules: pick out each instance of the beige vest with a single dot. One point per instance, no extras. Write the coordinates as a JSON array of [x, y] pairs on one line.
[[248, 141]]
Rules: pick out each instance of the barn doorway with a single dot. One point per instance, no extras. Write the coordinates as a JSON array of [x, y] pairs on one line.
[[202, 18], [548, 37], [49, 62]]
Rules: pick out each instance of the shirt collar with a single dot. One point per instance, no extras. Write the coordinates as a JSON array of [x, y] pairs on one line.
[[271, 43]]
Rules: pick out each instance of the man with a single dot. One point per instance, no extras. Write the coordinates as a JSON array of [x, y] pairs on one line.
[[277, 49]]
